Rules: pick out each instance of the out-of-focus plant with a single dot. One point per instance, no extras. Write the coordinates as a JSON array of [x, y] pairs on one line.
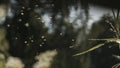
[[2, 61], [45, 59], [115, 28], [3, 11], [14, 62], [4, 46]]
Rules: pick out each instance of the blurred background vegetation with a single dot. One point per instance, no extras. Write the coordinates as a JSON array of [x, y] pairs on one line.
[[59, 28]]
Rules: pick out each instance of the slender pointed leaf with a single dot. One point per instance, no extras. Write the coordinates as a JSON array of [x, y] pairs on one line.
[[89, 50], [109, 40]]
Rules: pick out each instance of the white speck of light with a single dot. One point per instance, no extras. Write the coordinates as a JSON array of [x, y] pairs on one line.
[[32, 40], [42, 36], [16, 38], [36, 5], [22, 13], [44, 39], [25, 42], [40, 45], [73, 40], [8, 25], [19, 20], [27, 24], [23, 7], [61, 33]]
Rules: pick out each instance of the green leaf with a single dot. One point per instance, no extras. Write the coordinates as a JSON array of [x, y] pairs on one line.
[[99, 45], [116, 65], [89, 50], [108, 40]]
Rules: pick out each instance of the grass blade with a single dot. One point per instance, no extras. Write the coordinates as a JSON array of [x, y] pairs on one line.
[[89, 50]]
